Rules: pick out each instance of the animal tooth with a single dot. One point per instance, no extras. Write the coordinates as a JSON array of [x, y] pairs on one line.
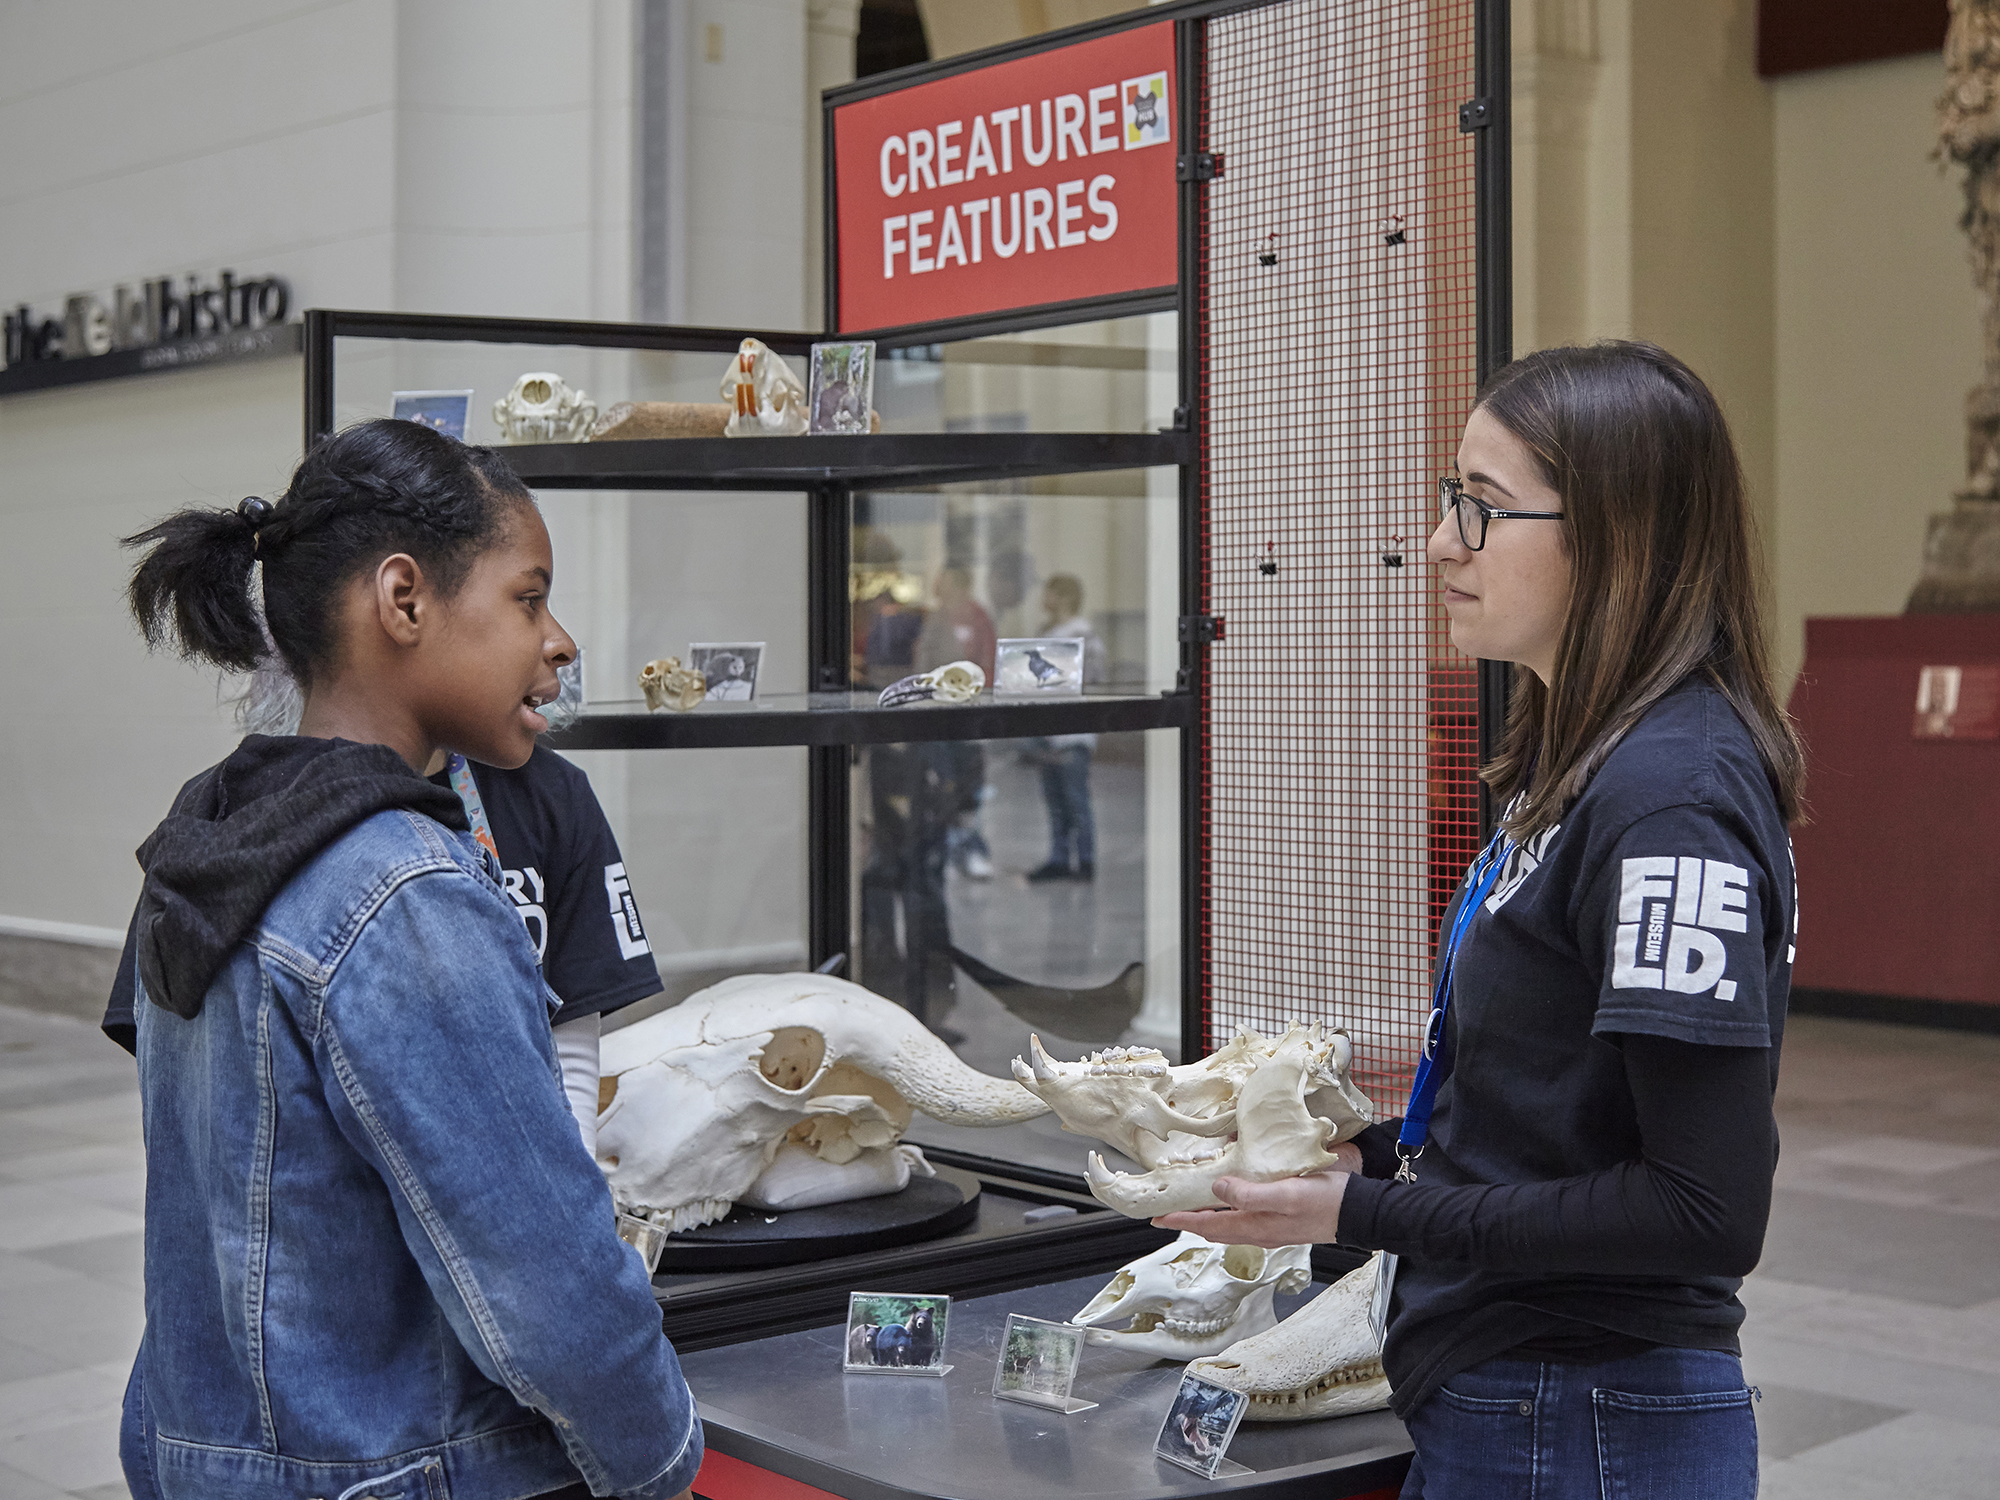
[[1044, 1069]]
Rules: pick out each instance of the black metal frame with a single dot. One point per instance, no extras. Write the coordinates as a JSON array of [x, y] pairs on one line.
[[1493, 177]]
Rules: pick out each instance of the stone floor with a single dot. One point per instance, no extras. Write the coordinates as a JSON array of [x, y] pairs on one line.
[[1874, 1328]]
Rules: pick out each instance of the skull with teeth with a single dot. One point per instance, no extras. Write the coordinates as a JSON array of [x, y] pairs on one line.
[[1257, 1109], [1322, 1361], [1194, 1297]]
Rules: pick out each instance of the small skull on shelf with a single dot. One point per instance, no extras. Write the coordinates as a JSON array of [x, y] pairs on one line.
[[544, 408], [668, 684]]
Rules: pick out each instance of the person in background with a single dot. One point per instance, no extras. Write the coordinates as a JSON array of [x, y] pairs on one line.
[[1064, 759], [960, 629]]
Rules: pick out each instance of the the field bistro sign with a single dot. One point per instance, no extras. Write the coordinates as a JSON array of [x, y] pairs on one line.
[[168, 323]]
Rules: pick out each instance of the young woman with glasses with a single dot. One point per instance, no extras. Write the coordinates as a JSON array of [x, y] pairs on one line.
[[1595, 1177]]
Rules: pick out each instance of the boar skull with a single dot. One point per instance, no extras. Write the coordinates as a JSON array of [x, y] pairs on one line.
[[1257, 1109]]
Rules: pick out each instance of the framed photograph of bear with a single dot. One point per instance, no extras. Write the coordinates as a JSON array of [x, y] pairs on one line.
[[893, 1333]]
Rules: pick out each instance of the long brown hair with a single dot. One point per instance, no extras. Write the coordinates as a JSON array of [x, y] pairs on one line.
[[1665, 581]]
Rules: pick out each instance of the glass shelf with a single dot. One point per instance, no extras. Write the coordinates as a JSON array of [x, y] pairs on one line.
[[852, 718], [886, 460]]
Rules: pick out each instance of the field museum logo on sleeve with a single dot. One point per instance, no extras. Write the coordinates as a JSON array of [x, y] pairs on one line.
[[1669, 911], [1146, 111]]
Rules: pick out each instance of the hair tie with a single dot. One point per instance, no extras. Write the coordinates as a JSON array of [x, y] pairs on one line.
[[257, 512]]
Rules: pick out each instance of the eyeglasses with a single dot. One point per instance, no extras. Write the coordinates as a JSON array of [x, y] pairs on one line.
[[1472, 513]]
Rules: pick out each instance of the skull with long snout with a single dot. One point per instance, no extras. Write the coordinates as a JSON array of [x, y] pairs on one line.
[[1322, 1361], [1194, 1297], [1257, 1109], [696, 1101]]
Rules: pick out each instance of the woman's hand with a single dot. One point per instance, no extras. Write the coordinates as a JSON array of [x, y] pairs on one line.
[[1294, 1211]]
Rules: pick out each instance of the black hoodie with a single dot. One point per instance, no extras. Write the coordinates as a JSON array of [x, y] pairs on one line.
[[237, 833]]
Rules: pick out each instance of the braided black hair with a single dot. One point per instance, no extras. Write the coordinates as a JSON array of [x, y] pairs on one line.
[[372, 490]]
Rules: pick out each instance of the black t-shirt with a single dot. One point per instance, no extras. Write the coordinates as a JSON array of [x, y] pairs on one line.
[[1663, 906], [561, 867]]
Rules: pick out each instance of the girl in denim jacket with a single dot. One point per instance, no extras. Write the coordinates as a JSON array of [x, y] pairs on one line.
[[379, 1259]]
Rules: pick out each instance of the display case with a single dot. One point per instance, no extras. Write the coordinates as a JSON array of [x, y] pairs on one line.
[[1220, 464]]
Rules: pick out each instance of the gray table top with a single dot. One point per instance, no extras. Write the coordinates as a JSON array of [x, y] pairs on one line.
[[784, 1404]]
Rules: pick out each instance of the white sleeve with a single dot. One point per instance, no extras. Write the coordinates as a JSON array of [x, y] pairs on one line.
[[576, 1051]]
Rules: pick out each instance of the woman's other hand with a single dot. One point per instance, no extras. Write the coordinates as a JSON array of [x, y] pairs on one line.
[[1293, 1211]]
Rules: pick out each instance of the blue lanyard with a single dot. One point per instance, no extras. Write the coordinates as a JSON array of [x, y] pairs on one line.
[[1433, 1069]]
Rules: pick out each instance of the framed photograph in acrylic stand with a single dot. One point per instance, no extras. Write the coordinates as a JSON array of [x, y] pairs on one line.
[[842, 396], [1031, 666], [728, 667], [444, 410], [896, 1333], [1037, 1364], [1197, 1431]]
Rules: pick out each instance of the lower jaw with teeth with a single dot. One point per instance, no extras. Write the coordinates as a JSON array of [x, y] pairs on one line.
[[1334, 1379]]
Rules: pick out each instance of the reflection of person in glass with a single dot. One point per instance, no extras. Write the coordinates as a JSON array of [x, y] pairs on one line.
[[917, 794], [1065, 758], [961, 629], [728, 678]]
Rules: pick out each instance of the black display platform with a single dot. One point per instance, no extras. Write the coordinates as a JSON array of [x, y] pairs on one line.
[[752, 1237], [784, 1406]]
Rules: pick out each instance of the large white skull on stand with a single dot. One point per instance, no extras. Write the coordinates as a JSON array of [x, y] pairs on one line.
[[1256, 1109], [786, 1090], [1194, 1297]]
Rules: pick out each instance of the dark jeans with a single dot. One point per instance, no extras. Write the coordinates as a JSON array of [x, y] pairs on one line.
[[1066, 789], [1669, 1424]]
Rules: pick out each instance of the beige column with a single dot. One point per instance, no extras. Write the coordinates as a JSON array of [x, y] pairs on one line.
[[831, 26]]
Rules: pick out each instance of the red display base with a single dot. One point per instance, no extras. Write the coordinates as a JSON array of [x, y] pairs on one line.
[[1897, 891]]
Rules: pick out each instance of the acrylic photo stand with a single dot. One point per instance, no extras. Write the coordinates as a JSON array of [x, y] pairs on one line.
[[1037, 1365], [1199, 1427], [896, 1333]]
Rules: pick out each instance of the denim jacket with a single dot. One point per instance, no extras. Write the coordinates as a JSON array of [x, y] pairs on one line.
[[379, 1261]]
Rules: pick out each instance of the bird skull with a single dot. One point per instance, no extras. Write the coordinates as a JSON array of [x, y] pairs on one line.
[[1194, 1297], [1256, 1109], [1322, 1361], [697, 1100]]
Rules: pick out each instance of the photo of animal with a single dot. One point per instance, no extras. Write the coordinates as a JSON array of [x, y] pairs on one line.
[[1197, 1431], [891, 1332]]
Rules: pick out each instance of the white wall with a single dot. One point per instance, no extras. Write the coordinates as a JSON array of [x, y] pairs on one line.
[[469, 156], [1877, 339]]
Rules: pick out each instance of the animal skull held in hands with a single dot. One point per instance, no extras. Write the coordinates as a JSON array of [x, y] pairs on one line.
[[1322, 1361], [697, 1101], [1194, 1297], [766, 398], [1257, 1109], [543, 408]]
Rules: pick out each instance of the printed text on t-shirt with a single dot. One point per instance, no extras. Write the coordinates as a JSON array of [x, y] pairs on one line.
[[1669, 909]]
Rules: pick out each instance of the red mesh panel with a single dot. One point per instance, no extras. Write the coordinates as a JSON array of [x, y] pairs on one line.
[[1340, 727]]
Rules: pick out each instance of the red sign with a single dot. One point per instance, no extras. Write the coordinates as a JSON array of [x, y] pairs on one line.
[[1044, 179]]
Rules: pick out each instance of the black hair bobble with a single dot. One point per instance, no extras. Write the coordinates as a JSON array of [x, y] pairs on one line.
[[257, 511]]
